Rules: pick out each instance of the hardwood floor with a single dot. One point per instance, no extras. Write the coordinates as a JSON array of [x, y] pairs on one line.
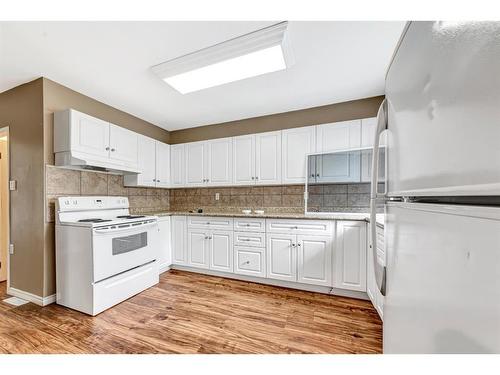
[[192, 313]]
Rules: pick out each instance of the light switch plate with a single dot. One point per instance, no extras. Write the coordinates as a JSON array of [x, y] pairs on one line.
[[217, 196], [12, 185], [11, 248]]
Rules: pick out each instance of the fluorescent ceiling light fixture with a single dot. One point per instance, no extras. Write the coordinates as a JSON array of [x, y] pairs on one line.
[[260, 52]]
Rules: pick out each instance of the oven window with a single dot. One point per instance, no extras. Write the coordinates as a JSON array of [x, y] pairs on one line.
[[125, 244]]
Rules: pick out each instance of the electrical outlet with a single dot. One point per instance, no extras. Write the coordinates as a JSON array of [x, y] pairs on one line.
[[217, 196], [11, 248]]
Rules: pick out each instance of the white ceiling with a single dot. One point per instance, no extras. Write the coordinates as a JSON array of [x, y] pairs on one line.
[[109, 61]]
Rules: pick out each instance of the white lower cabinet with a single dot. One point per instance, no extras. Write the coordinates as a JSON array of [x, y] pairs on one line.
[[165, 251], [314, 260], [350, 256], [282, 257], [198, 248], [250, 261], [179, 240], [221, 251], [371, 284]]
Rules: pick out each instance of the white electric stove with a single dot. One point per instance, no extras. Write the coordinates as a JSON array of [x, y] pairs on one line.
[[104, 255]]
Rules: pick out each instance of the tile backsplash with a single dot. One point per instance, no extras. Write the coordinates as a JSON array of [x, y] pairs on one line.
[[62, 182]]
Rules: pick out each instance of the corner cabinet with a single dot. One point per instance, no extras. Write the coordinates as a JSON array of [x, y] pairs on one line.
[[177, 165], [350, 256]]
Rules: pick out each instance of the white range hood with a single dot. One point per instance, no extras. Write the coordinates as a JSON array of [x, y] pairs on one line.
[[81, 161]]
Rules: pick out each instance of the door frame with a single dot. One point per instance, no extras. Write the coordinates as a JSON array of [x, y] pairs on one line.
[[6, 131]]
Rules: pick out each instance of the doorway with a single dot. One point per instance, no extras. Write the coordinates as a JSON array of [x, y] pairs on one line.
[[4, 206]]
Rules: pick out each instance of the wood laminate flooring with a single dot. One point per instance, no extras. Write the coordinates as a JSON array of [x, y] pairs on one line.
[[192, 313]]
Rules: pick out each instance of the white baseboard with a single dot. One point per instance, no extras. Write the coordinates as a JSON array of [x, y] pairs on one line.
[[280, 283], [163, 268], [38, 300]]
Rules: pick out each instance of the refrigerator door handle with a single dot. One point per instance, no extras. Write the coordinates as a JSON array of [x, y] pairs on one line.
[[380, 271]]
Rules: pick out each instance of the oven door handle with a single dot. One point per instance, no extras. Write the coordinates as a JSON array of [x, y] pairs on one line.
[[120, 228]]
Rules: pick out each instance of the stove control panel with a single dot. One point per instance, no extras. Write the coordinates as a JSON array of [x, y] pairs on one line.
[[91, 203]]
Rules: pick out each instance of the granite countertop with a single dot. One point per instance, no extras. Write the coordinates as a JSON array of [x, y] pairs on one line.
[[325, 216]]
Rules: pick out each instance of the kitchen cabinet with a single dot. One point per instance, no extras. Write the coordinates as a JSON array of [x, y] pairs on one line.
[[179, 240], [297, 144], [219, 162], [371, 284], [350, 255], [198, 248], [177, 165], [366, 165], [368, 129], [314, 257], [343, 167], [153, 162], [257, 159], [337, 136], [123, 145], [165, 251], [250, 261], [80, 140], [196, 163], [221, 250], [281, 257]]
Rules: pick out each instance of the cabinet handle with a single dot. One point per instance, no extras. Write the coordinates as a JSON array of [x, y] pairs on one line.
[[317, 174], [247, 262], [253, 178], [107, 148], [157, 180], [256, 178], [293, 245], [298, 245], [210, 237], [247, 225], [312, 175]]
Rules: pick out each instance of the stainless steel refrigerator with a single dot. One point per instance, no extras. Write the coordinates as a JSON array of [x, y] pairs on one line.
[[441, 277]]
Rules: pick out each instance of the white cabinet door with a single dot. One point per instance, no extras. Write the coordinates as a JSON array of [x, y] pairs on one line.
[[179, 240], [315, 260], [339, 167], [165, 251], [350, 255], [89, 134], [371, 283], [195, 164], [198, 248], [221, 251], [297, 143], [162, 165], [146, 162], [282, 257], [250, 261], [220, 162], [177, 165], [268, 158], [366, 165], [338, 136], [123, 145], [368, 128], [244, 160]]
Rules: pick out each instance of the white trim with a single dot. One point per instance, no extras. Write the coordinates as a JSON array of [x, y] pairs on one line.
[[38, 300], [7, 130], [279, 283], [163, 268]]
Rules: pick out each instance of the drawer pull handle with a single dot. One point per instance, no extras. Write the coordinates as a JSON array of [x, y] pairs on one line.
[[247, 262]]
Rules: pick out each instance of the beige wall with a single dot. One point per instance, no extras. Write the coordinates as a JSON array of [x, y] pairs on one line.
[[21, 108], [312, 116]]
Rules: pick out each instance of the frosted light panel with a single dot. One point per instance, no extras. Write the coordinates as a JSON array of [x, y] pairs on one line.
[[250, 65]]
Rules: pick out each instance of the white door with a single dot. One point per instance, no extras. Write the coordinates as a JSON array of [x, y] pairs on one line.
[[177, 165], [123, 145], [338, 136], [220, 162], [162, 165], [198, 248], [282, 256], [244, 160], [195, 164], [221, 251], [165, 251], [146, 161], [268, 158], [179, 240], [350, 255], [315, 260], [89, 134], [297, 143]]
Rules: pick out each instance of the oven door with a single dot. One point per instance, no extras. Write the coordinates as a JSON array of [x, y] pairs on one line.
[[123, 247]]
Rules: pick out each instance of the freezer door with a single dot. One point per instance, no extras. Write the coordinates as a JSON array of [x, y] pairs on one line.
[[443, 279], [443, 93]]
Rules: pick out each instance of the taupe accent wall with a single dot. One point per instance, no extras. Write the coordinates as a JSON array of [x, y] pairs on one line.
[[351, 110], [21, 108]]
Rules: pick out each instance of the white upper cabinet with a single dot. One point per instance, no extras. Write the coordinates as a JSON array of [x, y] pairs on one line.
[[177, 165], [337, 136], [196, 163], [368, 128], [162, 164], [244, 160], [154, 164], [268, 158], [297, 143], [123, 144], [350, 255], [219, 162]]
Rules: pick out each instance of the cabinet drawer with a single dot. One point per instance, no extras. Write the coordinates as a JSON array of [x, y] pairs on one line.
[[317, 227], [250, 225], [249, 261], [250, 239], [210, 222]]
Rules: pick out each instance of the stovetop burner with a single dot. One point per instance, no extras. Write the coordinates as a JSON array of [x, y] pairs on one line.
[[93, 220], [130, 216]]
